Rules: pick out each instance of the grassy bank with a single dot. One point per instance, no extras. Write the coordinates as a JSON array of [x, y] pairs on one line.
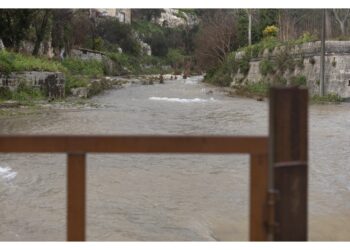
[[260, 90], [329, 98], [272, 70], [253, 90], [281, 69], [15, 62], [23, 95], [78, 73]]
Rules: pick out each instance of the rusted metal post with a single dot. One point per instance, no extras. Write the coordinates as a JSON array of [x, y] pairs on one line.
[[258, 197], [76, 197], [288, 162]]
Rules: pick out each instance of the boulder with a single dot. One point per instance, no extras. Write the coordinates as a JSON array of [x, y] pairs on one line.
[[81, 92]]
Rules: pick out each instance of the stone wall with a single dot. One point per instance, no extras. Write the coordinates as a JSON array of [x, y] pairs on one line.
[[87, 54], [337, 66], [51, 83]]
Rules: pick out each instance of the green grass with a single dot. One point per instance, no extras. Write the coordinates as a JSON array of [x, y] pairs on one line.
[[75, 82], [24, 94], [266, 67], [271, 43], [92, 68], [329, 98], [14, 62], [258, 89], [146, 28], [78, 73], [298, 80]]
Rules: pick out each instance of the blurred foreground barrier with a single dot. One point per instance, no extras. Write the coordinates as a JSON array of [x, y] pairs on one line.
[[278, 165]]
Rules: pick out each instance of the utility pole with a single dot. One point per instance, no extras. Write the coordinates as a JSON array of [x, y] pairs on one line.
[[249, 12], [323, 38]]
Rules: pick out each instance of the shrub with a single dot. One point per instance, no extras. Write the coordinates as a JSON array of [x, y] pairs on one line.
[[300, 62], [260, 88], [306, 37], [5, 93], [329, 98], [279, 80], [75, 82], [175, 57], [112, 31], [266, 67], [270, 43], [298, 80], [270, 31], [223, 79], [334, 63], [83, 67], [210, 74], [284, 61], [312, 60], [244, 65], [342, 38], [24, 94], [6, 63], [159, 44]]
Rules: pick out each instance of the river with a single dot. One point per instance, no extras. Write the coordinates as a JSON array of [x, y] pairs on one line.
[[166, 197]]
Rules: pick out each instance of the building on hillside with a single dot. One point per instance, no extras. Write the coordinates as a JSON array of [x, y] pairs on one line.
[[123, 15]]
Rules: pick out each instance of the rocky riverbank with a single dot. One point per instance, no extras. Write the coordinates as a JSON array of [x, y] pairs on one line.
[[80, 97]]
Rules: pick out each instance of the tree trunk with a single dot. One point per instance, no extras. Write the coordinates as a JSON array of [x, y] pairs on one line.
[[41, 32], [342, 28], [341, 19]]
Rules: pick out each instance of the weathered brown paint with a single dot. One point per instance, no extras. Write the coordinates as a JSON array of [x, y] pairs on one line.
[[291, 209], [133, 144], [258, 197], [288, 161], [76, 197], [78, 146]]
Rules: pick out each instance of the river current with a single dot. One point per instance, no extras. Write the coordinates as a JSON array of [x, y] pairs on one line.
[[166, 197]]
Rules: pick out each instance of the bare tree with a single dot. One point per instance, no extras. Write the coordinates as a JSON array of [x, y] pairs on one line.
[[289, 20], [215, 39], [342, 16]]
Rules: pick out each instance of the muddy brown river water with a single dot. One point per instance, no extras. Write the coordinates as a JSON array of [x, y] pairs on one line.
[[166, 197]]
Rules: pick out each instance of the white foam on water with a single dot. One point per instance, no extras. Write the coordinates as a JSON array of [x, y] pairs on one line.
[[181, 100], [7, 173]]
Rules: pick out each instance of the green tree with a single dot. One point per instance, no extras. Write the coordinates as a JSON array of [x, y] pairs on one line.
[[41, 24], [146, 14], [115, 32], [14, 26]]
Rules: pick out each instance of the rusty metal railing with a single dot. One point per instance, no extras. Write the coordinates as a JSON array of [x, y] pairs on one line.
[[269, 219]]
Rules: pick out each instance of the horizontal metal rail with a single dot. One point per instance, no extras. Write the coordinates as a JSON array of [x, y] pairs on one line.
[[278, 165], [133, 144], [76, 148]]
